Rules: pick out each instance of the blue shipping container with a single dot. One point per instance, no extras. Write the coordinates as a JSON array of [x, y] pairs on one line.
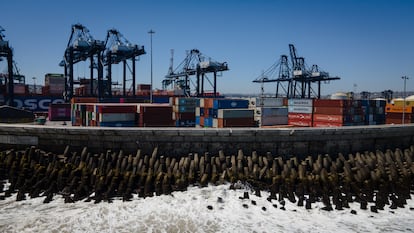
[[208, 122], [230, 103]]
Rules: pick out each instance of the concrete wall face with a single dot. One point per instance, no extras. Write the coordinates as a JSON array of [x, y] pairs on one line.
[[181, 141]]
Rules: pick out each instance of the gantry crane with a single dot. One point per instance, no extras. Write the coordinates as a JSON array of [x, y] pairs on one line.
[[195, 64], [119, 49], [298, 77], [304, 77], [81, 47], [7, 85], [280, 73]]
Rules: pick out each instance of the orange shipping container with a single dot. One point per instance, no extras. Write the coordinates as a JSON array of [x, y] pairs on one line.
[[398, 109]]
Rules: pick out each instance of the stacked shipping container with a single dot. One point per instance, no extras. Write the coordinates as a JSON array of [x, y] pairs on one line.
[[184, 111], [300, 112], [221, 113], [121, 115], [269, 111], [394, 114], [335, 113], [54, 84]]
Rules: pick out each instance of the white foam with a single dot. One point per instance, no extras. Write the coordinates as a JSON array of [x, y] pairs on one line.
[[188, 212]]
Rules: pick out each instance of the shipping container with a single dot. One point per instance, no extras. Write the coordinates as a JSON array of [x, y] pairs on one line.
[[185, 101], [300, 109], [235, 113], [300, 116], [112, 117], [208, 122], [117, 124], [327, 124], [265, 102], [233, 122], [184, 108], [230, 103], [274, 111], [119, 108], [398, 109], [59, 112], [336, 110], [300, 102], [271, 120], [301, 123]]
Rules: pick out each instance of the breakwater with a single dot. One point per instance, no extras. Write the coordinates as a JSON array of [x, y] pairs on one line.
[[178, 141], [374, 179]]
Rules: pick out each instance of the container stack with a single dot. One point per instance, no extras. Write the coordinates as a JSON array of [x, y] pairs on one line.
[[300, 112], [232, 113], [184, 111], [114, 115], [269, 111], [54, 84], [222, 113], [155, 115], [59, 112], [394, 114], [374, 111], [337, 112], [204, 113]]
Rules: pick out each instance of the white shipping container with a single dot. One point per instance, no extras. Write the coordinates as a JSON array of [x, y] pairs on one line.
[[114, 117], [300, 102], [197, 111], [300, 109], [269, 102], [201, 103]]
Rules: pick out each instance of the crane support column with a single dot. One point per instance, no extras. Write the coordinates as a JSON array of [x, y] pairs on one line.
[[11, 81], [124, 79], [91, 78], [133, 77], [70, 73], [215, 84]]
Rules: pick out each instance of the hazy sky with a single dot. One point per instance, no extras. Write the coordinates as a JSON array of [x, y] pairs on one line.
[[369, 44]]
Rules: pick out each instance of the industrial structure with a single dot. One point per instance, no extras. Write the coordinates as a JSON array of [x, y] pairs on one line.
[[81, 47], [295, 78], [6, 82], [116, 49], [119, 49], [194, 64]]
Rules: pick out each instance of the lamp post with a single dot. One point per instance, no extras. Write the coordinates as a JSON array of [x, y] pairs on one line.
[[405, 81], [151, 32]]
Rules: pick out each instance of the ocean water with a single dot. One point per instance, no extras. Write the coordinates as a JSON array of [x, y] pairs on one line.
[[208, 209]]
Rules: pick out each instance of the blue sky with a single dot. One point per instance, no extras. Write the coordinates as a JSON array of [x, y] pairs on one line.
[[369, 44]]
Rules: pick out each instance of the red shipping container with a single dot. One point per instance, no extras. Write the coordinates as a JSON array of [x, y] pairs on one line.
[[329, 118], [397, 121], [116, 108], [297, 122], [185, 116], [395, 115], [332, 110], [327, 124], [202, 121], [300, 116], [330, 103]]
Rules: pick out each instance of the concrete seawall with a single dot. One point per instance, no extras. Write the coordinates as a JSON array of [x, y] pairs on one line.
[[180, 141]]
